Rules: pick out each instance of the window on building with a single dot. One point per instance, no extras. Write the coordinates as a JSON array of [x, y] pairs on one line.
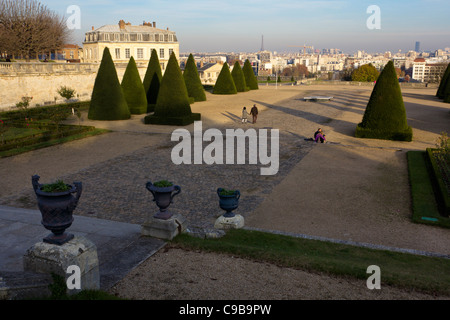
[[170, 52], [145, 37], [162, 66], [140, 53], [117, 53], [161, 53], [133, 37], [71, 54], [127, 53]]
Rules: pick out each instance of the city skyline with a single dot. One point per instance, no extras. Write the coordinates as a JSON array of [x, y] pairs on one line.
[[214, 26]]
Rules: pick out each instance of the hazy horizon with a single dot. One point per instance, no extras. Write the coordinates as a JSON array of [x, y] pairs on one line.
[[215, 26]]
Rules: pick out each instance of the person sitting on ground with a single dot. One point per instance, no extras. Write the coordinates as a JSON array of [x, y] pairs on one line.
[[319, 136]]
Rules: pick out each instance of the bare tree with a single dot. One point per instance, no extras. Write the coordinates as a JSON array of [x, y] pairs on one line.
[[28, 28]]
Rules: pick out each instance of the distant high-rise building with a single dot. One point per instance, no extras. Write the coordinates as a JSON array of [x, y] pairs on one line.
[[417, 46], [262, 43]]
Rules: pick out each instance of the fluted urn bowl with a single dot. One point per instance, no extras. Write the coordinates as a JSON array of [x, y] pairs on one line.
[[57, 210], [163, 196], [228, 202]]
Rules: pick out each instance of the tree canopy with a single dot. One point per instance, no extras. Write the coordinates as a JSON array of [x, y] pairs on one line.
[[365, 73], [299, 70], [29, 28]]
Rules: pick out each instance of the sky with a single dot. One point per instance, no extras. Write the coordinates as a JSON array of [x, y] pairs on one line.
[[285, 25]]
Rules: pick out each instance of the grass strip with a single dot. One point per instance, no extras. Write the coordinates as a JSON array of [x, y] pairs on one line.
[[16, 151], [424, 204], [415, 272]]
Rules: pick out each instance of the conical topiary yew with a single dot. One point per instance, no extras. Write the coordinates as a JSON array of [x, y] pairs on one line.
[[152, 81], [250, 78], [224, 83], [133, 89], [238, 78], [108, 101], [172, 106], [192, 80], [385, 115], [441, 90]]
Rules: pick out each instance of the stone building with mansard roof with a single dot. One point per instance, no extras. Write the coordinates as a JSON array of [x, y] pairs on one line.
[[125, 40]]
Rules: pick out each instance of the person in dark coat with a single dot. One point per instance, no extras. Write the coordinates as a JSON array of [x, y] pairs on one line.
[[254, 113]]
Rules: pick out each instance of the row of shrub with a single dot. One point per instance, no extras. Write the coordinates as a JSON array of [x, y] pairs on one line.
[[238, 80], [49, 134], [167, 96], [42, 112]]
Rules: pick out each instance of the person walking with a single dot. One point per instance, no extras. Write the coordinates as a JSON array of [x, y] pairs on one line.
[[244, 115], [254, 113]]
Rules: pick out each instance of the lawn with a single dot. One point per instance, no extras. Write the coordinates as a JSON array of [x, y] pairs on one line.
[[40, 127], [414, 272], [423, 191]]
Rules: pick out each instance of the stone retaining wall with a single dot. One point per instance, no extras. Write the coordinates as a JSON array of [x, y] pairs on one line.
[[42, 80]]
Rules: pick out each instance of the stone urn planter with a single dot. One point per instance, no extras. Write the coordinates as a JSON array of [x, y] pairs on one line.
[[163, 193], [228, 201], [57, 202]]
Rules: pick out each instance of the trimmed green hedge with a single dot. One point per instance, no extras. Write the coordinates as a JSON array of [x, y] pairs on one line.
[[385, 114], [173, 121], [152, 81], [224, 83], [238, 78], [441, 188], [42, 112], [108, 101], [51, 134], [172, 106], [192, 80], [250, 78], [133, 89], [442, 84], [367, 133]]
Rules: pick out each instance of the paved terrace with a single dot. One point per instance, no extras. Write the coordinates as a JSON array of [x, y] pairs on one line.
[[349, 189]]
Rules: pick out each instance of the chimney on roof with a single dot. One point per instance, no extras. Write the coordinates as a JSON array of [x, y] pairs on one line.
[[154, 24], [92, 28], [121, 24]]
